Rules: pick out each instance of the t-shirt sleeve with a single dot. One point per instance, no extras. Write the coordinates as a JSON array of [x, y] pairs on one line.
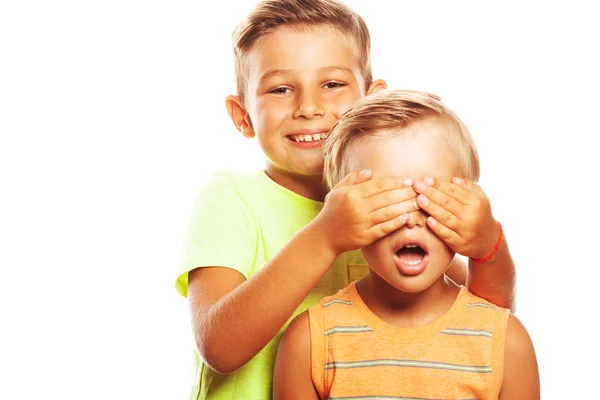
[[221, 231]]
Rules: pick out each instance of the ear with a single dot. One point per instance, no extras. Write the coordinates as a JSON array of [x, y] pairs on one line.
[[238, 114], [376, 86]]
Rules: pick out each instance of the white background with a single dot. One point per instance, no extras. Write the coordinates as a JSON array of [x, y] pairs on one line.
[[112, 113]]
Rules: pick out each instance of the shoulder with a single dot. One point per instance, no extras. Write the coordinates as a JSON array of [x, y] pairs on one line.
[[295, 342], [520, 372], [482, 309], [228, 178], [513, 355], [476, 301], [518, 342], [298, 331], [485, 315], [226, 189], [341, 297]]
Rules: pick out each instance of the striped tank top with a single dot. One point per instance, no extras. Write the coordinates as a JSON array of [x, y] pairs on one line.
[[356, 355]]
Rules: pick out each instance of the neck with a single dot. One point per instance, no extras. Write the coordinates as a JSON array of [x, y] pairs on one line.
[[407, 310], [309, 186]]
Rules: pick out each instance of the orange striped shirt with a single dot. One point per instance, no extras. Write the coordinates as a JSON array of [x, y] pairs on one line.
[[356, 355]]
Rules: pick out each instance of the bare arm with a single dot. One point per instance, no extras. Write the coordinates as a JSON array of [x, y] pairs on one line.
[[521, 376], [234, 318], [292, 379], [494, 279]]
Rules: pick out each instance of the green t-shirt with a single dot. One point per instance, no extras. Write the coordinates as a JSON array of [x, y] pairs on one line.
[[241, 220]]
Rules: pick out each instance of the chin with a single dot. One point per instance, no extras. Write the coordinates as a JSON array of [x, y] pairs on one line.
[[410, 284], [314, 169], [412, 287]]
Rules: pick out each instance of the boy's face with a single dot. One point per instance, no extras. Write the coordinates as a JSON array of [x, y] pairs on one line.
[[300, 81], [412, 258]]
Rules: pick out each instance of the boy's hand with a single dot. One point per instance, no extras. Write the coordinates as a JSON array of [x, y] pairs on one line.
[[460, 215], [358, 211]]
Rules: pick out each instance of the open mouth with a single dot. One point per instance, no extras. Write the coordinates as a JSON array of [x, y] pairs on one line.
[[411, 259], [411, 254]]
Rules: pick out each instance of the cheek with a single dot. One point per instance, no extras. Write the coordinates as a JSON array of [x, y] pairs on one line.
[[374, 253], [445, 253], [343, 102], [269, 112]]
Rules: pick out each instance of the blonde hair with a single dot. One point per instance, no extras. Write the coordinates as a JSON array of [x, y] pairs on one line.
[[271, 14], [386, 113]]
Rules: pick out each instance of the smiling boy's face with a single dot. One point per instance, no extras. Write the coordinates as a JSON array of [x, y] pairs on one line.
[[412, 258], [300, 81]]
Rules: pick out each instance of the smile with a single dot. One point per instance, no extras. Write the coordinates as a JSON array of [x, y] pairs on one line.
[[308, 137]]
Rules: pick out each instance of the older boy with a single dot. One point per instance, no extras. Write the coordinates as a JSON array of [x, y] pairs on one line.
[[262, 246], [405, 331]]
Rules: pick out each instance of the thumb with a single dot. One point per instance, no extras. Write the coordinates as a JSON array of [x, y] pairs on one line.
[[355, 177]]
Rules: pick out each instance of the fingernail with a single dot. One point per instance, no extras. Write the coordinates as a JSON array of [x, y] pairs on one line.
[[363, 172], [408, 182], [423, 200], [458, 181], [420, 186], [428, 180], [404, 217], [431, 221]]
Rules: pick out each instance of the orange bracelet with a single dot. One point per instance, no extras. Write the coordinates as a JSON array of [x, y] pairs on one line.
[[495, 249]]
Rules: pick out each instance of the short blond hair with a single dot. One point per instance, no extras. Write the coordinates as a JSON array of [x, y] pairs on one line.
[[271, 14], [388, 112]]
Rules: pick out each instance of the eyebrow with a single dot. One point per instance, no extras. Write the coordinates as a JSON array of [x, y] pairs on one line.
[[274, 72], [334, 68], [278, 72]]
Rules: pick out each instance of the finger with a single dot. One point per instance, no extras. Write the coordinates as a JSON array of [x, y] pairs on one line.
[[390, 197], [393, 211], [380, 230], [355, 178], [450, 189], [449, 237], [375, 186], [438, 212], [429, 194], [467, 184]]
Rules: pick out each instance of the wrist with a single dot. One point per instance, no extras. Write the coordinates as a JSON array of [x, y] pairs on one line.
[[489, 252], [321, 239]]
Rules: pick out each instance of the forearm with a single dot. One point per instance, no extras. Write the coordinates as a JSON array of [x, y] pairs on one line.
[[494, 279], [242, 322]]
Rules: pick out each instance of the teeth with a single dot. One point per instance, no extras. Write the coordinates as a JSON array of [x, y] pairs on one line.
[[410, 246], [410, 262], [309, 138]]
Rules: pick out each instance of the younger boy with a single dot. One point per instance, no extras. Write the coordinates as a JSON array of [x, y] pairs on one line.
[[405, 331], [263, 246]]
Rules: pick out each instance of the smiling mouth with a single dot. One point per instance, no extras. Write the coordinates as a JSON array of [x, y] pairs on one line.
[[315, 137]]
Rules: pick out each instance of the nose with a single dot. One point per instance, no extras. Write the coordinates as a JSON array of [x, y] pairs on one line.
[[416, 219], [309, 105]]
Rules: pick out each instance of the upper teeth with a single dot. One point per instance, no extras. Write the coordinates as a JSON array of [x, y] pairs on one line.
[[309, 138], [411, 245]]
